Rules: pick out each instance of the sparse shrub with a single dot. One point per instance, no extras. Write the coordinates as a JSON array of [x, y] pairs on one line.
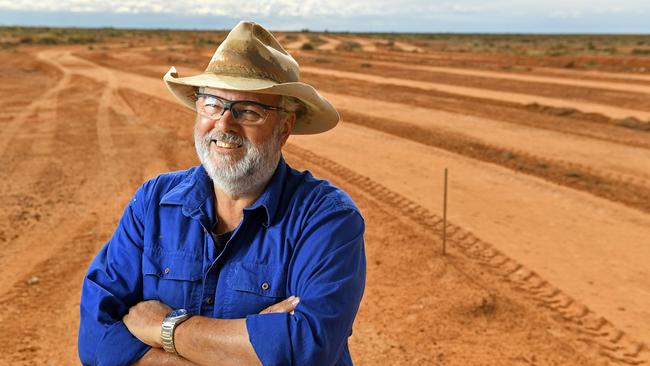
[[641, 51], [26, 40], [487, 305], [48, 40], [365, 65], [563, 111], [610, 50], [572, 174], [557, 51], [315, 40], [570, 65], [634, 123], [351, 46], [80, 40], [322, 60], [307, 46], [202, 42]]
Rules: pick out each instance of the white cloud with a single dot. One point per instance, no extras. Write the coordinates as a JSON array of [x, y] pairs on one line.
[[370, 15], [564, 14], [295, 8]]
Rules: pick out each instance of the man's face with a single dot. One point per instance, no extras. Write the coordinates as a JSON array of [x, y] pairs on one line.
[[240, 159]]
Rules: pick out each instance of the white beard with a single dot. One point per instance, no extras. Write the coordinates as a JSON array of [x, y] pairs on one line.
[[251, 173]]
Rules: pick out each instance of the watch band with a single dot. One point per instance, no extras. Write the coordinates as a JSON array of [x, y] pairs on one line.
[[169, 324]]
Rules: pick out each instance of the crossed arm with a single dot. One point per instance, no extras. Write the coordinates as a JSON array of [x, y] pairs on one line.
[[225, 340]]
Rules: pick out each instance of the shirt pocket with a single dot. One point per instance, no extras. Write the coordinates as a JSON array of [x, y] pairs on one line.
[[173, 279], [253, 287]]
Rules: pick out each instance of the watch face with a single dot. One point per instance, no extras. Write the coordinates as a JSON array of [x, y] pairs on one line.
[[177, 313]]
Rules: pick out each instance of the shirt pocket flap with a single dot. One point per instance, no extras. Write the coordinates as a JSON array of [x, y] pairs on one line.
[[261, 279], [171, 266]]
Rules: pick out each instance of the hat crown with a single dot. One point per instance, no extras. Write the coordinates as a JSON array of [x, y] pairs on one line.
[[250, 51]]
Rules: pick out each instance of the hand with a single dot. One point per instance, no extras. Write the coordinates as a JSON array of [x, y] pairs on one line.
[[144, 321], [285, 306]]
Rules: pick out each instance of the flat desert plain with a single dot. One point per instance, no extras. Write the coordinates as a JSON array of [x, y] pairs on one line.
[[548, 230]]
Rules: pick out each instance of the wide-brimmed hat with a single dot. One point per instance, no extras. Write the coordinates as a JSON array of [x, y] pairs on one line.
[[251, 59]]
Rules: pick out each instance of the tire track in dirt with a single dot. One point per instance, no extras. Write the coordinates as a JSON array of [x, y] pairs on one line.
[[54, 185], [590, 328], [71, 197], [606, 110], [110, 102], [9, 130]]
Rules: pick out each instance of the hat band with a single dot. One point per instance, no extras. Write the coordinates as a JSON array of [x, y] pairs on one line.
[[243, 72]]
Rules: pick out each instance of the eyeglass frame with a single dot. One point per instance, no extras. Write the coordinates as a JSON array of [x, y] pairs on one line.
[[227, 106]]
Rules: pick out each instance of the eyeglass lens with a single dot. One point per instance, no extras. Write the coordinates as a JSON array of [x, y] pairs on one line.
[[242, 111]]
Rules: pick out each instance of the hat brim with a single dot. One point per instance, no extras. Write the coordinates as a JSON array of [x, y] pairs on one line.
[[318, 117]]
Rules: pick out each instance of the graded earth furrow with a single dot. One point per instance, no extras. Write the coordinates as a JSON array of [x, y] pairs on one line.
[[607, 110], [591, 79], [564, 120], [627, 189], [624, 161]]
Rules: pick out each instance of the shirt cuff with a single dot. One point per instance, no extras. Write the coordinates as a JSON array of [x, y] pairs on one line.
[[269, 335], [119, 347]]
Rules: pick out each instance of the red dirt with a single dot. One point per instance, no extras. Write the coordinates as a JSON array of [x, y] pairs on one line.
[[536, 274]]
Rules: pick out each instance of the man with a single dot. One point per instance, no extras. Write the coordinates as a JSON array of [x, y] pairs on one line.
[[242, 260]]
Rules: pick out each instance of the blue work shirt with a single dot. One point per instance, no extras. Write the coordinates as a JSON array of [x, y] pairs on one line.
[[303, 236]]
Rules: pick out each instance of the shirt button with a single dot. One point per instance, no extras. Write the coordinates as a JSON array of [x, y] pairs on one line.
[[265, 286], [209, 300], [167, 270]]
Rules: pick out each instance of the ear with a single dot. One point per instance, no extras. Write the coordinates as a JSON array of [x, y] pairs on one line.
[[287, 127]]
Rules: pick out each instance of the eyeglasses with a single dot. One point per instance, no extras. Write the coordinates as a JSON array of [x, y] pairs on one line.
[[244, 112]]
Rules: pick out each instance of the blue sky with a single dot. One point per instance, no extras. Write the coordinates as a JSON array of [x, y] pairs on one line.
[[497, 16]]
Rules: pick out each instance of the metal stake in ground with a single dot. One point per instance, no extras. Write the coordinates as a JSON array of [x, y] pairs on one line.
[[444, 218]]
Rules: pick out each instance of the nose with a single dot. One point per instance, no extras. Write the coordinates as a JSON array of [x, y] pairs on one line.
[[226, 122]]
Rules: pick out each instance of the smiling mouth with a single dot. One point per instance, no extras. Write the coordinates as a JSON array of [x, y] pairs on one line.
[[226, 145]]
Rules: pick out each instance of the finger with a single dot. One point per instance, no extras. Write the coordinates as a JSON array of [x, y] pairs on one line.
[[285, 306], [280, 307]]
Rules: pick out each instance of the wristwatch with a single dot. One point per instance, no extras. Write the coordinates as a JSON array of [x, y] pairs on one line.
[[169, 324]]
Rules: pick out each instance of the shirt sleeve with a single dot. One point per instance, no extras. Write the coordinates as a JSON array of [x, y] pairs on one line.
[[328, 274], [111, 286]]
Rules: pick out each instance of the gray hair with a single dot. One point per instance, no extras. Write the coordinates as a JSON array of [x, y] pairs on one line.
[[292, 104]]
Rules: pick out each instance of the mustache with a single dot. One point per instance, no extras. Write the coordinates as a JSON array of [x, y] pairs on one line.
[[230, 138]]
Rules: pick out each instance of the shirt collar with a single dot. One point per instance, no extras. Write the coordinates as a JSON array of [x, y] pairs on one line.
[[193, 191]]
